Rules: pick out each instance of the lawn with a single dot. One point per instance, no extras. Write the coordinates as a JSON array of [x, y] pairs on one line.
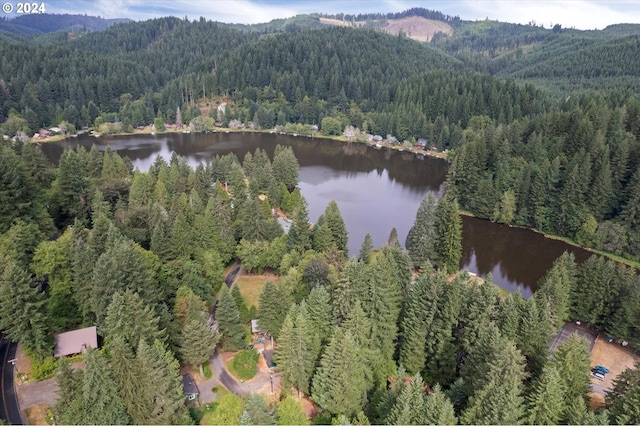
[[244, 365], [251, 286]]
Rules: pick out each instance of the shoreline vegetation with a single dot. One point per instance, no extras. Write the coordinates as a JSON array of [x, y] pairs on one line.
[[340, 138], [148, 131]]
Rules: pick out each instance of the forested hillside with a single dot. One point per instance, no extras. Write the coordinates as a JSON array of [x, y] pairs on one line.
[[557, 59]]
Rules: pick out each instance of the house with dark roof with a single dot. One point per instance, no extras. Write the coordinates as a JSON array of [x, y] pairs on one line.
[[189, 388], [75, 342]]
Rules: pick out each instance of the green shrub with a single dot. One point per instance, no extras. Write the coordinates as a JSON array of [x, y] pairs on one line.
[[207, 371], [45, 369], [195, 414], [245, 364]]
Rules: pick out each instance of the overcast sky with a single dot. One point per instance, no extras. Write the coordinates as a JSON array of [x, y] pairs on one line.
[[581, 14]]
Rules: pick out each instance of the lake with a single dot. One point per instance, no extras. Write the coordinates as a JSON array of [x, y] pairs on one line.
[[376, 191]]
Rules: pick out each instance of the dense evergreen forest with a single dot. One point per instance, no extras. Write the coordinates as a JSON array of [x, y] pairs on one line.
[[542, 128], [153, 246]]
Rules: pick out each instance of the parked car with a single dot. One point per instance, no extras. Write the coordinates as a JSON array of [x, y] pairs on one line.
[[603, 370], [597, 375]]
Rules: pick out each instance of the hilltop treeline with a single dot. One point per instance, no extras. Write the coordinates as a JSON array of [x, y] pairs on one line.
[[415, 11]]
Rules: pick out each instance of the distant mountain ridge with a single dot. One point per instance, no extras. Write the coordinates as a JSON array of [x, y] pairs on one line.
[[48, 23]]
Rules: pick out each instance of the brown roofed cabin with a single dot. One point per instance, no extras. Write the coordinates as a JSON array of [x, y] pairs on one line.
[[75, 342]]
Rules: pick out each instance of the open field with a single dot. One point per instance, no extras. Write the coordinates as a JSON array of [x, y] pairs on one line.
[[251, 286]]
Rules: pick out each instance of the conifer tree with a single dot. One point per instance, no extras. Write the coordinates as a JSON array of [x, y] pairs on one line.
[[322, 238], [554, 290], [365, 249], [125, 372], [546, 404], [420, 309], [123, 308], [159, 399], [297, 351], [448, 226], [285, 167], [339, 385], [256, 412], [438, 408], [499, 400], [67, 408], [275, 302], [23, 316], [299, 236], [393, 238], [289, 412], [100, 401], [228, 318], [623, 401], [409, 407], [197, 341], [381, 302], [572, 360], [318, 306], [333, 219], [346, 290], [421, 239]]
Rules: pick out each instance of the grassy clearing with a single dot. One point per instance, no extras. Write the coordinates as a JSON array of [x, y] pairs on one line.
[[244, 365], [251, 286]]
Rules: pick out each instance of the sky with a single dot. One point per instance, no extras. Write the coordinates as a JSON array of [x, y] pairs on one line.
[[580, 14]]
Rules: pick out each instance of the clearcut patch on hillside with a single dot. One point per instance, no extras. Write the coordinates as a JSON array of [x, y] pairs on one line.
[[415, 27]]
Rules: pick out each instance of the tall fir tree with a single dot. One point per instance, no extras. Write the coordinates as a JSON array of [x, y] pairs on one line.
[[159, 399], [365, 249], [500, 398], [421, 239], [333, 219], [118, 322], [546, 404], [448, 234], [339, 385], [23, 316], [257, 412], [438, 408], [297, 351], [409, 408], [623, 401], [554, 290], [419, 311], [573, 362], [275, 302], [227, 316]]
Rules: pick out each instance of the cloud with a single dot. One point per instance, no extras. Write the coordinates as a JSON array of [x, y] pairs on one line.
[[581, 14]]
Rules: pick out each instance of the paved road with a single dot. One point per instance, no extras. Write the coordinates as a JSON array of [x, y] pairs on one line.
[[261, 379], [9, 410]]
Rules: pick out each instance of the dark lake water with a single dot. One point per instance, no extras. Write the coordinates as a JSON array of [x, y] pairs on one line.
[[376, 191]]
